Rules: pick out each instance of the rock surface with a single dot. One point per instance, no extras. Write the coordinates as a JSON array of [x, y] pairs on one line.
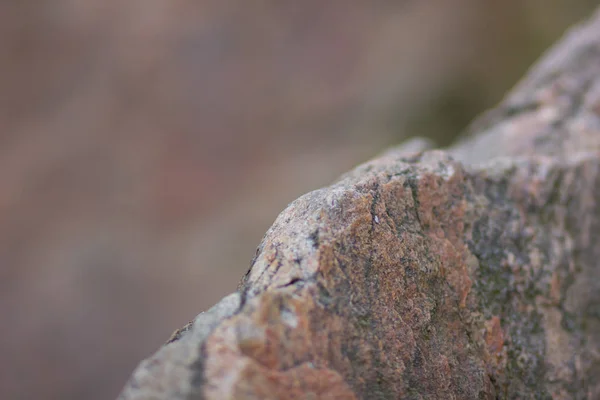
[[470, 273]]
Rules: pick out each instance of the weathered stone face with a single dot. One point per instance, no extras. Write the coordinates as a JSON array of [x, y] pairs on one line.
[[466, 274]]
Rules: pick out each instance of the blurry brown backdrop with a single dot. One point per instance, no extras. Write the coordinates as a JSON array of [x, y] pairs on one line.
[[146, 146]]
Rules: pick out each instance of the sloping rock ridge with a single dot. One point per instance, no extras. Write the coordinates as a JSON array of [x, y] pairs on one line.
[[470, 273]]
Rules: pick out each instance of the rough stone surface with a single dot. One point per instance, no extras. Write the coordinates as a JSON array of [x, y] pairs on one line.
[[470, 273]]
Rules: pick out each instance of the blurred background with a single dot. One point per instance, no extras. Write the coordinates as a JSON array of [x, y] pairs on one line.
[[146, 146]]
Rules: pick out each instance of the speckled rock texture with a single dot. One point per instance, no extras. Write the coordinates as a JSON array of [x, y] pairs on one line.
[[470, 273]]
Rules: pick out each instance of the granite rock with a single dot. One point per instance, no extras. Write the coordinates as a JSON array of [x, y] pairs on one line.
[[469, 273]]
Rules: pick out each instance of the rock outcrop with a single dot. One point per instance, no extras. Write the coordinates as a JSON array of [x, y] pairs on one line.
[[470, 273]]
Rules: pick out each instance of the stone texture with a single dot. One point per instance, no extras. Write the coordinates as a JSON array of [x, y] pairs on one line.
[[470, 273]]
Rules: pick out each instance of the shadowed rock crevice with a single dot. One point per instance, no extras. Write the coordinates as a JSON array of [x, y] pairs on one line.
[[470, 273]]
